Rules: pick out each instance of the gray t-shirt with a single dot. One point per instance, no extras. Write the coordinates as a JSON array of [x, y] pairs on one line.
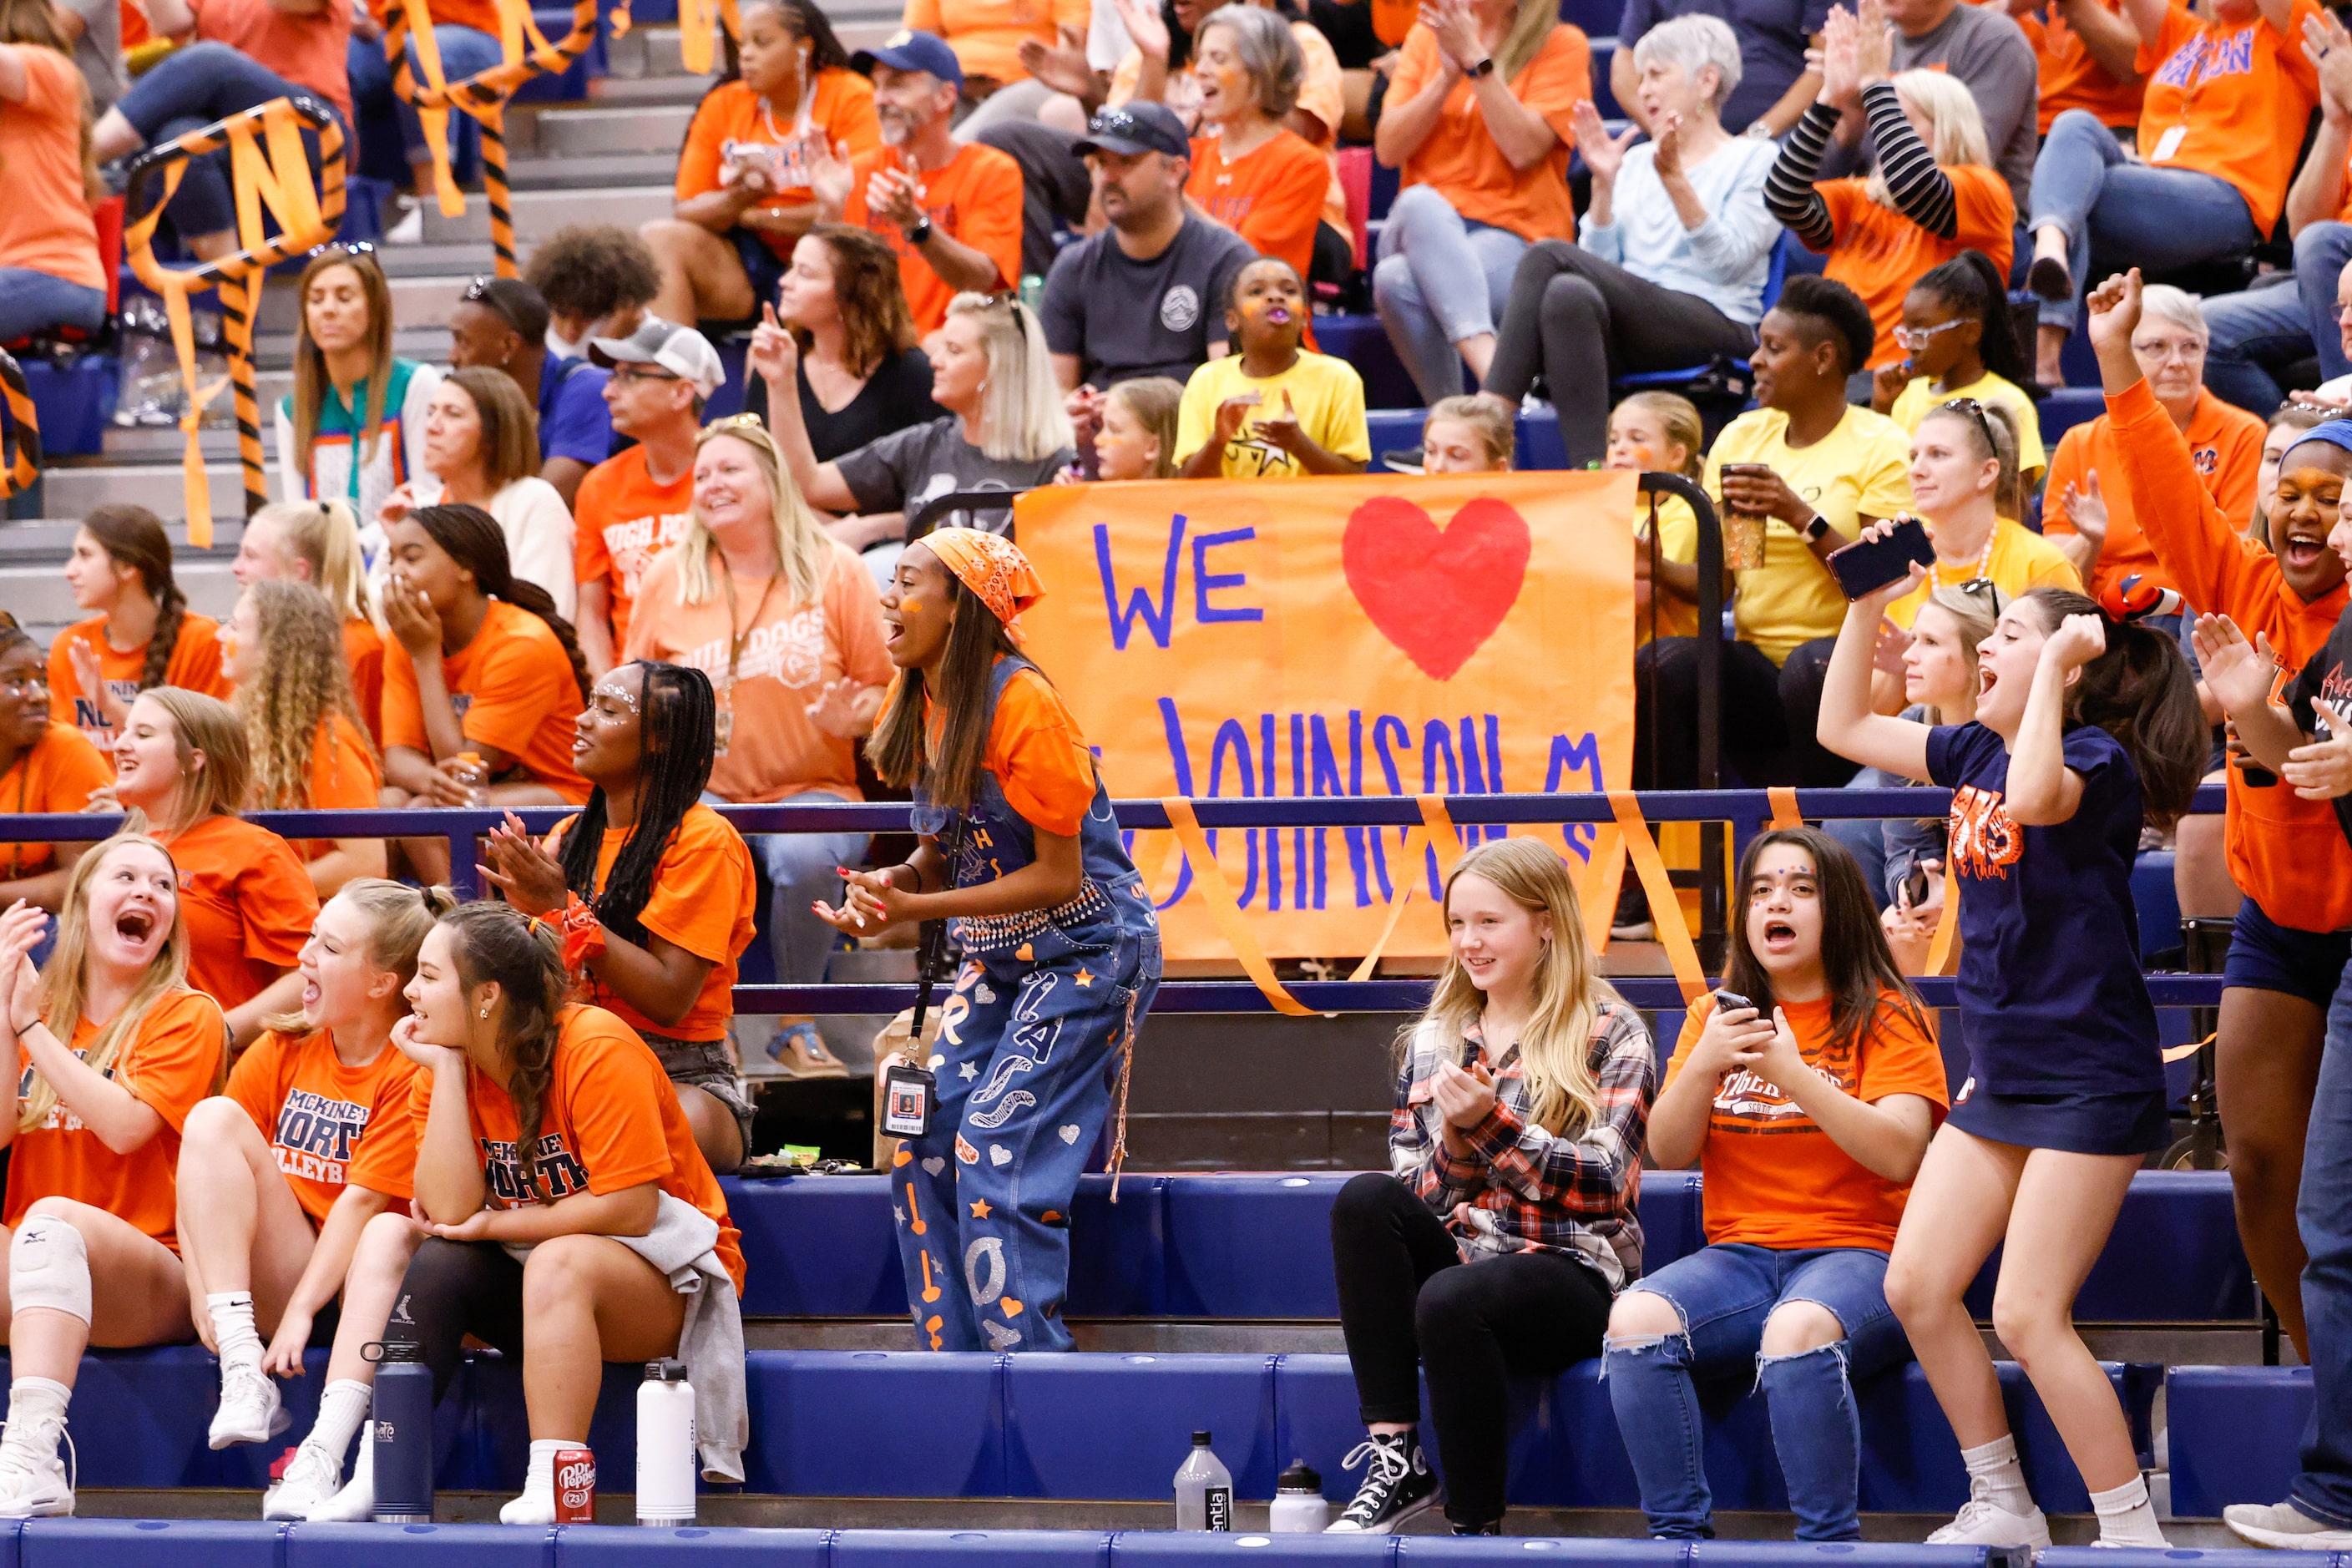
[[1126, 319], [1987, 53], [98, 51], [1772, 38], [901, 471]]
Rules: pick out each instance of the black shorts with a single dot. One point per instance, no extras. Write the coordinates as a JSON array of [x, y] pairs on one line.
[[2267, 956], [2074, 1124], [762, 266]]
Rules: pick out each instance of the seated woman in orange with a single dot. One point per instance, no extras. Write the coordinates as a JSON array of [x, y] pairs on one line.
[[44, 766], [1934, 195], [489, 720], [115, 1050], [659, 888], [1264, 182], [280, 1175], [143, 633], [182, 760], [317, 542], [302, 728]]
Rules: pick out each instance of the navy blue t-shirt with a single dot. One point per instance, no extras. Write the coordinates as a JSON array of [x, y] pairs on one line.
[[574, 421], [2051, 1001]]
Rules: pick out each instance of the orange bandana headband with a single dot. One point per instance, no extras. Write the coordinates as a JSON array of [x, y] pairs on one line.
[[993, 567]]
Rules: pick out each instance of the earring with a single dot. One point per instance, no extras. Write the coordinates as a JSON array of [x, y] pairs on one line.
[[486, 1011]]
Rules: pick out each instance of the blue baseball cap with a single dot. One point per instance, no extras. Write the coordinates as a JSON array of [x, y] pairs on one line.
[[1140, 126], [911, 51]]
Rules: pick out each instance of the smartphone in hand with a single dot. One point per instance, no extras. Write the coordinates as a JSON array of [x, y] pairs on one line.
[[1867, 566]]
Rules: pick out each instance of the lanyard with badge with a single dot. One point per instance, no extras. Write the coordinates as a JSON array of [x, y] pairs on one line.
[[723, 721]]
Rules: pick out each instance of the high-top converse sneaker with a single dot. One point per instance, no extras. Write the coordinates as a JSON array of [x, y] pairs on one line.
[[34, 1481], [1396, 1485]]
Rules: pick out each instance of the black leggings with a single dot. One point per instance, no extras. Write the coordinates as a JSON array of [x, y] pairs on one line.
[[453, 1288], [1408, 1302], [1583, 322]]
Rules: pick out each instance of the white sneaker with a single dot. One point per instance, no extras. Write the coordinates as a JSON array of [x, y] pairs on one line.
[[2285, 1526], [536, 1506], [408, 229], [250, 1410], [312, 1477], [356, 1501], [34, 1482], [1985, 1523]]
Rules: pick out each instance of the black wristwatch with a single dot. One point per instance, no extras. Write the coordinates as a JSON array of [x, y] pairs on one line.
[[1484, 67], [1816, 531], [921, 232]]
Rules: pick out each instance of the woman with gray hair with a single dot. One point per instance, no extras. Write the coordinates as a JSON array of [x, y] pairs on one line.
[[1671, 258], [1264, 182]]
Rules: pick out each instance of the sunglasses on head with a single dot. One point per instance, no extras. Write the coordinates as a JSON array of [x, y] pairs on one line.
[[1976, 410]]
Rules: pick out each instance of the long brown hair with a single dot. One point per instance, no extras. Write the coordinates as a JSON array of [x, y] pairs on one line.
[[133, 536], [304, 679], [472, 538], [2139, 691], [1863, 975], [900, 745], [310, 382], [492, 942], [875, 321], [508, 447]]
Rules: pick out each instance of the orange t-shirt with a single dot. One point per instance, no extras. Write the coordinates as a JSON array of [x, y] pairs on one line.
[[330, 1125], [45, 225], [622, 521], [705, 898], [343, 777], [1878, 253], [974, 199], [2070, 78], [733, 124], [986, 35], [58, 773], [791, 652], [611, 1122], [310, 49], [196, 663], [249, 904], [363, 652], [2225, 442], [170, 1062], [2230, 99], [1459, 156], [514, 689], [1272, 196], [1794, 1189], [1041, 761]]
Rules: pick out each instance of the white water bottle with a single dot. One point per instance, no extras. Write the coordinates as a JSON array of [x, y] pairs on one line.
[[665, 1456], [1204, 1489], [1298, 1505]]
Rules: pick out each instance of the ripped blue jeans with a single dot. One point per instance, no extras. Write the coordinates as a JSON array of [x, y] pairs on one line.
[[1724, 1295]]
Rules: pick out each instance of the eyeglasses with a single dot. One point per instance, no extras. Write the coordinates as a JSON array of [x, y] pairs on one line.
[[1976, 410], [627, 373], [1917, 338]]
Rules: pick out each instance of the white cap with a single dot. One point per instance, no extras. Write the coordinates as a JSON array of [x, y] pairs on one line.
[[681, 350]]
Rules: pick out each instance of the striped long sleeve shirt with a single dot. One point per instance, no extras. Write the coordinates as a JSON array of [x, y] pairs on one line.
[[1919, 190]]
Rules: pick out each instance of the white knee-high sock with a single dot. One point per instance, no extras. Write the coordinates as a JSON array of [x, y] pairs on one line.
[[233, 1330], [1995, 1476], [2126, 1517]]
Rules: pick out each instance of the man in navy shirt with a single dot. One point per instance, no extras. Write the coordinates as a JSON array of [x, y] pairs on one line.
[[501, 324]]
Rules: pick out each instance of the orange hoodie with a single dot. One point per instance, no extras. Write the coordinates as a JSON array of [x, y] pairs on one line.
[[2281, 851]]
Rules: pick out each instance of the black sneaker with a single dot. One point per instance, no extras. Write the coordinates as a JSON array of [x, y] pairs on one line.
[[1407, 460], [1492, 1527], [1396, 1486]]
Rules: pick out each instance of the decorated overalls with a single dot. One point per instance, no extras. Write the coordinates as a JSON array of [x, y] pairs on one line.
[[1031, 1040]]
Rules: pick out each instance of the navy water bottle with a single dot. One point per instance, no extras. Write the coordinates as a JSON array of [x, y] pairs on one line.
[[402, 1431]]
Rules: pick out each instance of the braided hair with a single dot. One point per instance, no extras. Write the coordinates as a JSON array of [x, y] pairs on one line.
[[133, 536], [492, 942], [678, 737], [473, 539]]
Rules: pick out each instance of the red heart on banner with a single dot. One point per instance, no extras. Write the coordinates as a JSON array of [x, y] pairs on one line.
[[1437, 592]]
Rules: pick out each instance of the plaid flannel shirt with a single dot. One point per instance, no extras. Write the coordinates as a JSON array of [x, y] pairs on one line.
[[1523, 1189]]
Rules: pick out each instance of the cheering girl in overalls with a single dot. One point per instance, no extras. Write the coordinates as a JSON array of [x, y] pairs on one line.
[[1062, 951]]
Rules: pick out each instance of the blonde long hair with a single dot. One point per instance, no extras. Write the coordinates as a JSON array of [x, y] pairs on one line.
[[206, 724], [802, 547], [1955, 125], [1525, 38], [1555, 1047], [1022, 418], [398, 916], [65, 985], [325, 535], [304, 679]]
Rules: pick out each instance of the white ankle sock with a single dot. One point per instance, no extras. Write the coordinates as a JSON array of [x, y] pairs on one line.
[[233, 1330], [1995, 1476], [2126, 1517], [541, 1478], [343, 1405]]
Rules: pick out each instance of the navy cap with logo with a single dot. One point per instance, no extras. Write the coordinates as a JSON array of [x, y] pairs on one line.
[[911, 51], [1136, 127]]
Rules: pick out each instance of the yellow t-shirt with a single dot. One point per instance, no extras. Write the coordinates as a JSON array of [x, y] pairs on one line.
[[1916, 401], [1678, 543], [2021, 559], [1326, 393], [1861, 468]]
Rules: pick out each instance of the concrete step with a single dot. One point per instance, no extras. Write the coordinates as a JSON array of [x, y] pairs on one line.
[[649, 89], [273, 353], [71, 490], [538, 214], [652, 171], [587, 132]]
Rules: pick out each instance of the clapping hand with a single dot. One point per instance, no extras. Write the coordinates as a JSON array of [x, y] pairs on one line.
[[1063, 68], [1873, 45], [896, 195], [1145, 28], [1841, 77], [2323, 770], [1283, 429], [1667, 135], [520, 868], [834, 712], [1231, 414], [869, 902], [1455, 27], [1603, 155], [2328, 48], [1464, 1097], [2086, 508], [831, 176]]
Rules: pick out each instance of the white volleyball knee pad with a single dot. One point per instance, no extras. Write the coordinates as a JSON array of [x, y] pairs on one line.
[[48, 1266]]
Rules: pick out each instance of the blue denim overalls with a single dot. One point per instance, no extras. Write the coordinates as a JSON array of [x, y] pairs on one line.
[[1031, 1040]]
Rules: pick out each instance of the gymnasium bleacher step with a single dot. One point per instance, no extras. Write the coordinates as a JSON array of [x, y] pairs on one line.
[[538, 214], [572, 132]]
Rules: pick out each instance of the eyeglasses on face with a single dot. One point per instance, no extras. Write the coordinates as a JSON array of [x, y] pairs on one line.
[[629, 372], [1917, 338]]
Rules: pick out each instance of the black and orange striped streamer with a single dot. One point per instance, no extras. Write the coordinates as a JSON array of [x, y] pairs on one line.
[[270, 172], [20, 430]]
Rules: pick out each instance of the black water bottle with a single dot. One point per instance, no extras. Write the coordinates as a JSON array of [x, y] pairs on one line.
[[402, 1431]]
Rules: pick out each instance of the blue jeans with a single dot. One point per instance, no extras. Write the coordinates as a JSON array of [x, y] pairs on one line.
[[2133, 215], [2323, 1213], [464, 51], [33, 301], [191, 88], [2279, 319], [1439, 279], [1724, 1294]]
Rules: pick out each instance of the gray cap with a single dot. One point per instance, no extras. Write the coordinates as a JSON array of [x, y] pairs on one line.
[[681, 350]]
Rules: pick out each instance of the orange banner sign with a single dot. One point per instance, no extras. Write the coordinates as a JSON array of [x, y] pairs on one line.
[[1377, 635]]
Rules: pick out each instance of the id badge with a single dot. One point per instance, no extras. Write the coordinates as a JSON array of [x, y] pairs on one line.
[[2168, 144], [909, 1096]]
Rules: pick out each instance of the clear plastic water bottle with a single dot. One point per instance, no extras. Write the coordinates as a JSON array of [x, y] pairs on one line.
[[474, 774], [1204, 1489], [1300, 1508]]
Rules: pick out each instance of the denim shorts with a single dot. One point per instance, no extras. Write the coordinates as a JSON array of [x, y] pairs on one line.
[[2267, 956], [1725, 1291], [762, 266]]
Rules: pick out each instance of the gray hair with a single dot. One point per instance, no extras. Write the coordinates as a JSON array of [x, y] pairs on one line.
[[1694, 42], [2165, 303], [1268, 51]]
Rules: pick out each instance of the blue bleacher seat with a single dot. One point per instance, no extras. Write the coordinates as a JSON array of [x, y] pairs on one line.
[[146, 1543], [2157, 903], [1595, 16], [2174, 1256], [2149, 1557], [1118, 1426], [1604, 50], [990, 1548], [877, 1424], [2233, 1434], [818, 1246], [1363, 342], [1201, 1549], [1448, 1551], [73, 399], [1834, 1554], [2065, 407], [614, 1546], [1537, 444], [407, 1545], [1252, 1247], [1783, 254]]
